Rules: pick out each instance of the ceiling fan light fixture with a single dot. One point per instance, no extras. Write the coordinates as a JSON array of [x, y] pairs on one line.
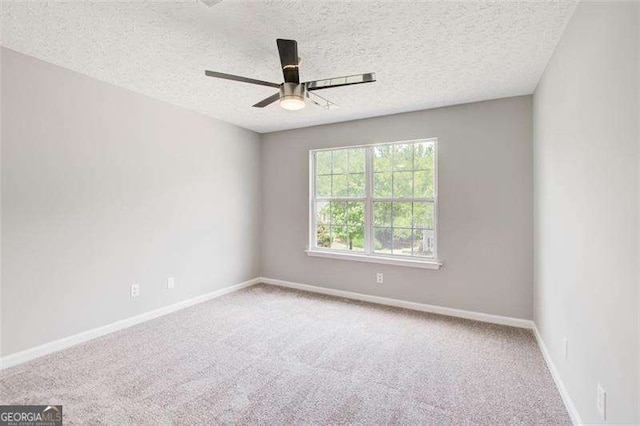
[[292, 103], [292, 96], [210, 3]]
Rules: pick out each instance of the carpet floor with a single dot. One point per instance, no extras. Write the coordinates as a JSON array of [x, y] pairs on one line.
[[269, 355]]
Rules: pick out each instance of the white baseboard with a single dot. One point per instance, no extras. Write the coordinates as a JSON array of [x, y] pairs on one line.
[[459, 313], [566, 398], [47, 348]]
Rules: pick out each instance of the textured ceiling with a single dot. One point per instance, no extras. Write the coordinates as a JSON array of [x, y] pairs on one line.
[[425, 54]]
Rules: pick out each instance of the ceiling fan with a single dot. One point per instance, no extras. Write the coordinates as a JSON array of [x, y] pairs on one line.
[[293, 94]]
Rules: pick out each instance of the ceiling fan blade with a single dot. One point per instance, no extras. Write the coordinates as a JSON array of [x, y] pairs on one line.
[[341, 81], [267, 101], [320, 101], [239, 78], [288, 50]]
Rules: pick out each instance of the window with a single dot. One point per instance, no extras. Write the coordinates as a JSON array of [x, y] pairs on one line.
[[375, 202]]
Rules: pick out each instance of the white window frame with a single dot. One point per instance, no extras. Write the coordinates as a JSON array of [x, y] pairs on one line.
[[369, 254]]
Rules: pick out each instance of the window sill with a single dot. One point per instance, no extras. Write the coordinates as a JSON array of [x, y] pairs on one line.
[[425, 264]]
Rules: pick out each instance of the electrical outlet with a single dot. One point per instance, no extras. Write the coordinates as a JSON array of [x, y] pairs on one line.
[[379, 278], [565, 348], [135, 290], [171, 282], [601, 402]]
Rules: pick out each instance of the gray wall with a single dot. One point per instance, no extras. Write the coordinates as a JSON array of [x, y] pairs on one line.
[[102, 188], [586, 208], [485, 212], [1, 334]]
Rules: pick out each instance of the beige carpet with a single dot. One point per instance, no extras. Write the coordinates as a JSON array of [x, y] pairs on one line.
[[274, 356]]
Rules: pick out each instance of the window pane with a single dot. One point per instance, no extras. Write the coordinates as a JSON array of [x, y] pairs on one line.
[[323, 235], [402, 215], [423, 243], [339, 237], [356, 184], [355, 209], [382, 156], [323, 186], [356, 160], [323, 218], [403, 157], [383, 240], [323, 212], [339, 161], [339, 186], [382, 214], [423, 215], [402, 184], [356, 237], [402, 241], [382, 185], [423, 184], [424, 156], [323, 163], [338, 212]]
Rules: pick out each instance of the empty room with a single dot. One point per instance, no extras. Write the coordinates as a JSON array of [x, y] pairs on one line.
[[320, 212]]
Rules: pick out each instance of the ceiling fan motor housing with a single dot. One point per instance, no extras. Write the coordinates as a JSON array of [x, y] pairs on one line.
[[292, 91]]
